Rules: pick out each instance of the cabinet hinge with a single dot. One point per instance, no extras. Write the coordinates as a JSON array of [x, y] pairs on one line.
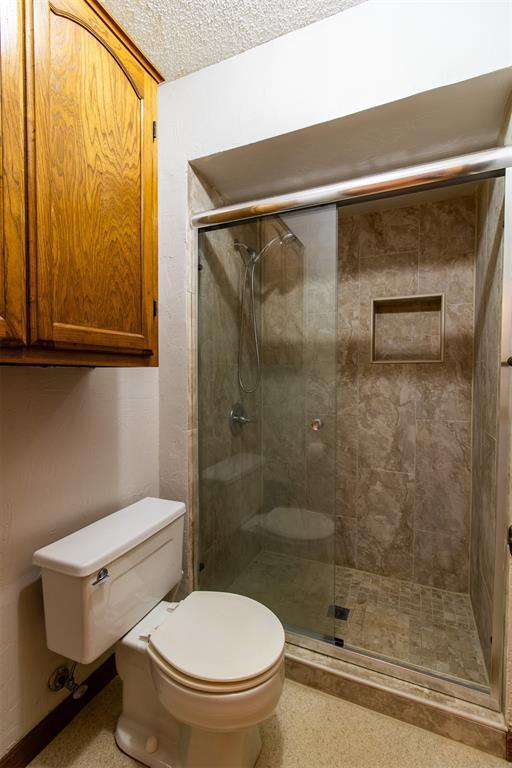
[[155, 307], [154, 130]]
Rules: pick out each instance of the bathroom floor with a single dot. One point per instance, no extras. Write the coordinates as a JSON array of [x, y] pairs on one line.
[[423, 627], [309, 730]]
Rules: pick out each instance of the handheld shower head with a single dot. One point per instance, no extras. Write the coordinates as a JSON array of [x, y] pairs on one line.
[[251, 259], [242, 249], [250, 256], [277, 240]]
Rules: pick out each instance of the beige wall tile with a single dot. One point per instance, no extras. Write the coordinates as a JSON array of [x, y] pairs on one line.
[[443, 477], [441, 560], [408, 423], [490, 203]]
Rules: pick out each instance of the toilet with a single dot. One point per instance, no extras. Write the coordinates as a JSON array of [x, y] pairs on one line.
[[199, 675]]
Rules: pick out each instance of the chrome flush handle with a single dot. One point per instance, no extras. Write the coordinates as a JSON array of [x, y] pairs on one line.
[[101, 576]]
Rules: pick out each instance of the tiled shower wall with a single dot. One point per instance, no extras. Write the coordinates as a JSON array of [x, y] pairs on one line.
[[403, 496], [393, 459], [283, 398], [229, 466], [298, 316], [490, 204]]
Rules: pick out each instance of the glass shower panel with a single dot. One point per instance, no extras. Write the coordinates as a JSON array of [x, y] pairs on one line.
[[418, 338], [349, 427], [267, 373]]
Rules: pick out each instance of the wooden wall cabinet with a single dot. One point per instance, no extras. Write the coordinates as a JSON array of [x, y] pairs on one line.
[[78, 258]]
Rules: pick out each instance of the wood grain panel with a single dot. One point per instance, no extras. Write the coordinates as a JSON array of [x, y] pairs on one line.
[[95, 179], [93, 252], [76, 357], [12, 175]]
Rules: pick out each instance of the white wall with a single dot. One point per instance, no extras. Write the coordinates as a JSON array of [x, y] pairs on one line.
[[369, 55], [75, 444]]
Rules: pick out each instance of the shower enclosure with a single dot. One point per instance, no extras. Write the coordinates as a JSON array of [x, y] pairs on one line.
[[349, 371]]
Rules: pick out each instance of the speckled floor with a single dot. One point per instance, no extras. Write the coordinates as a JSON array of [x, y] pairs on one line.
[[423, 627], [309, 730]]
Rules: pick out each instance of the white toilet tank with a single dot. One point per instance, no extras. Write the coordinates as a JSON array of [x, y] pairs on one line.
[[101, 580]]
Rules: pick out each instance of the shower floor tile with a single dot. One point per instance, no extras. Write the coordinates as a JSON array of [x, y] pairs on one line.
[[422, 627]]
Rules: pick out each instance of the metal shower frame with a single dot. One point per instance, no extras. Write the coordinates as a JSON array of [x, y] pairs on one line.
[[489, 163]]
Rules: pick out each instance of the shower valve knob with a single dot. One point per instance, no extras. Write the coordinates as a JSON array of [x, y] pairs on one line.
[[316, 424], [238, 418]]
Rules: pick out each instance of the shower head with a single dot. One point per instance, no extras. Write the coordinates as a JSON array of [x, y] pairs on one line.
[[251, 259], [277, 240], [249, 255], [244, 249]]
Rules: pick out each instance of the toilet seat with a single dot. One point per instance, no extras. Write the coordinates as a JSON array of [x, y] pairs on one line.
[[208, 687], [218, 642]]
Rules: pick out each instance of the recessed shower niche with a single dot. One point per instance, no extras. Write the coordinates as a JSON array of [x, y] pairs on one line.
[[407, 329], [363, 342]]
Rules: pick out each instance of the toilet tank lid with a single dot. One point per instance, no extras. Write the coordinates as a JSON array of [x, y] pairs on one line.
[[91, 548]]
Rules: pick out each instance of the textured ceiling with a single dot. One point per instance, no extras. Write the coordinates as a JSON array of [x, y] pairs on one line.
[[182, 36]]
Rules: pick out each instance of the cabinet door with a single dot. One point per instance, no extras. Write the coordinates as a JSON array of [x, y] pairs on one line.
[[91, 175], [12, 176]]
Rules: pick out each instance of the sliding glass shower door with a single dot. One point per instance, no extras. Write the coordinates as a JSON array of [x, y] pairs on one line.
[[267, 387], [350, 428]]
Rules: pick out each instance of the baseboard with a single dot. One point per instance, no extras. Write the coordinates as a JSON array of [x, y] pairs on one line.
[[37, 739]]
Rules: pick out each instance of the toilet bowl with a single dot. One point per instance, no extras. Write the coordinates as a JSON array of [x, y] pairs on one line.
[[198, 676], [217, 661], [213, 667]]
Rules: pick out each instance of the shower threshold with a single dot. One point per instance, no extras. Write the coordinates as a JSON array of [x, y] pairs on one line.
[[416, 633]]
